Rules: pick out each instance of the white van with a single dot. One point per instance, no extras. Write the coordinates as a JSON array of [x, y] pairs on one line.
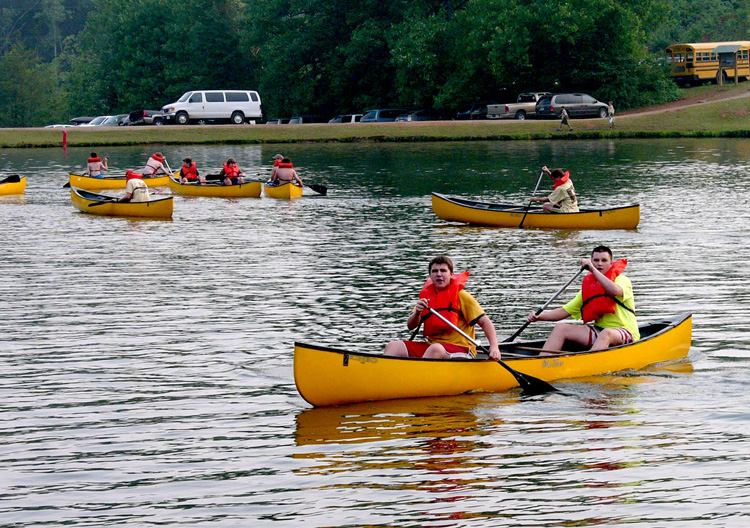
[[237, 106]]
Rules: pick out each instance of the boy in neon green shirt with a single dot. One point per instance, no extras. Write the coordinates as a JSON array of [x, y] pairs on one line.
[[609, 306]]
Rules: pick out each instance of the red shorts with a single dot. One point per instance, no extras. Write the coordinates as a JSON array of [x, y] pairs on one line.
[[418, 348]]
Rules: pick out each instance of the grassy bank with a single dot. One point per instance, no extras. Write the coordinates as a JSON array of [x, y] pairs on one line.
[[713, 116]]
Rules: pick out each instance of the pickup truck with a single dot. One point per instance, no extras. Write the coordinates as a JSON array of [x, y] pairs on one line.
[[525, 106], [146, 117]]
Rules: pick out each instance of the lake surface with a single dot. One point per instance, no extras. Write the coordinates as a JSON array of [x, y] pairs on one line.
[[147, 365]]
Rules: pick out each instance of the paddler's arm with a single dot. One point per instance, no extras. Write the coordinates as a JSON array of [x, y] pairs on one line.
[[489, 331], [557, 314], [609, 286], [413, 320]]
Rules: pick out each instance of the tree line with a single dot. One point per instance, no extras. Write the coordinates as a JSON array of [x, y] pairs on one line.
[[62, 58]]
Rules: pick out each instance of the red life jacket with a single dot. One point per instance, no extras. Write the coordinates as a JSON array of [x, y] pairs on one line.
[[189, 172], [231, 172], [445, 302], [129, 175], [94, 160], [158, 158], [596, 302], [285, 165]]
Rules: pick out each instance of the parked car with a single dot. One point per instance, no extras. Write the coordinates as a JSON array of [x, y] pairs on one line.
[[524, 107], [475, 111], [279, 121], [202, 106], [304, 119], [96, 121], [114, 120], [421, 115], [381, 115], [81, 120], [577, 105], [346, 118]]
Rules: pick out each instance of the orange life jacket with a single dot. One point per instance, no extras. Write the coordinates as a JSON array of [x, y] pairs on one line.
[[158, 158], [285, 165], [189, 172], [231, 171], [445, 302], [596, 302], [562, 180], [129, 175], [94, 160]]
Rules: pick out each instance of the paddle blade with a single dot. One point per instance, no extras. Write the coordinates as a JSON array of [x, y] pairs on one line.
[[529, 384], [320, 189], [66, 186]]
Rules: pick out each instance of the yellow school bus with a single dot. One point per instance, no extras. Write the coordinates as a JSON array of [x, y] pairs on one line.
[[699, 62]]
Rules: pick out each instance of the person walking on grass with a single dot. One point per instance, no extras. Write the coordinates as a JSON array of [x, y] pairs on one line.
[[564, 120]]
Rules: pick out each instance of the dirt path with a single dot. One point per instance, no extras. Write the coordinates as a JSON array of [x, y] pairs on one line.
[[687, 102]]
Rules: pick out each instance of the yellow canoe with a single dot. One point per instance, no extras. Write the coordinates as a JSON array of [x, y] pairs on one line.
[[97, 184], [100, 204], [328, 376], [13, 184], [243, 190], [287, 191], [500, 215]]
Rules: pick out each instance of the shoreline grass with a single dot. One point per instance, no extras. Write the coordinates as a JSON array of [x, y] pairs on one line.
[[728, 118]]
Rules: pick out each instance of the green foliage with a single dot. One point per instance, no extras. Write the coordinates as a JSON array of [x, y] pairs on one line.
[[28, 89], [701, 21]]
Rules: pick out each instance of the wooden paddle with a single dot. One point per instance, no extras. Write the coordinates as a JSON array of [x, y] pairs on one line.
[[530, 201], [529, 384], [540, 310], [13, 178]]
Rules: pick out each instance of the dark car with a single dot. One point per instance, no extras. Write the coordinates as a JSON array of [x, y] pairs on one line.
[[298, 120], [421, 115], [381, 115], [576, 104], [475, 111]]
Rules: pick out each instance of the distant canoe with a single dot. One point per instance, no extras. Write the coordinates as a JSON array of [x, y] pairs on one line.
[[327, 376], [100, 204], [13, 184], [287, 191], [499, 215], [215, 190], [97, 184]]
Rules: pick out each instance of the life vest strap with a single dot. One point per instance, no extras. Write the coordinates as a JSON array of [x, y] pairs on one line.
[[618, 301]]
